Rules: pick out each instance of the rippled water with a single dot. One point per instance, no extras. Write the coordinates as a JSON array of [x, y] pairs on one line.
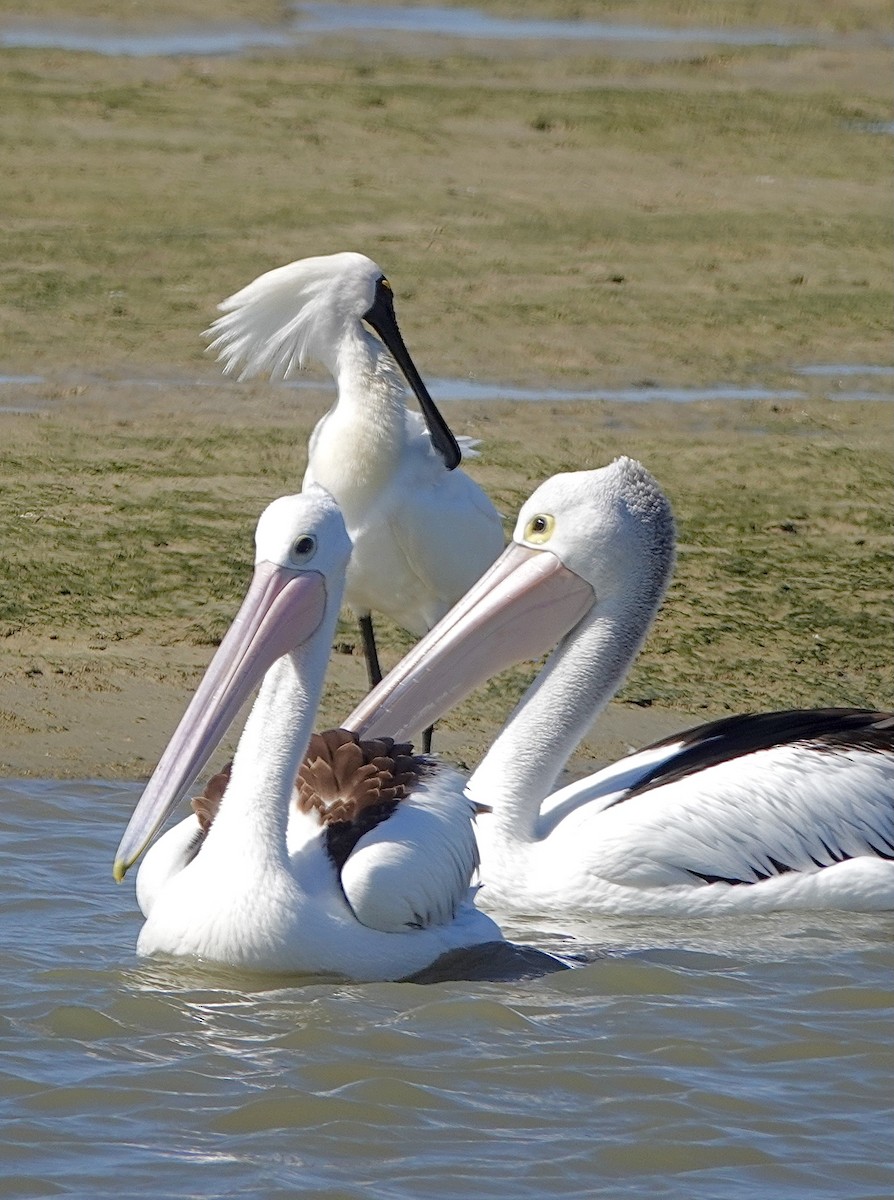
[[694, 1060]]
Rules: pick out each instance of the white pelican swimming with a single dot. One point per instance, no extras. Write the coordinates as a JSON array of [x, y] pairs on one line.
[[382, 890], [789, 810], [423, 531]]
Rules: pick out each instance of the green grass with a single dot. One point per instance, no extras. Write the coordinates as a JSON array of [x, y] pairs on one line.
[[782, 589], [736, 198]]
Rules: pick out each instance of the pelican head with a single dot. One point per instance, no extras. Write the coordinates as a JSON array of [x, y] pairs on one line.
[[302, 553], [306, 310], [612, 527], [585, 542]]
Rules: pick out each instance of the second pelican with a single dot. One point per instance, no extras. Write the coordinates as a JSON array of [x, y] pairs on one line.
[[787, 810]]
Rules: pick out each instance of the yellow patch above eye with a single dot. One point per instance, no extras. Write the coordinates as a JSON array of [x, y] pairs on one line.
[[540, 528], [383, 282]]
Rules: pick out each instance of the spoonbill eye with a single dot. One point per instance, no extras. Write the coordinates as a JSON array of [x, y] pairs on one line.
[[383, 283], [303, 549], [540, 528]]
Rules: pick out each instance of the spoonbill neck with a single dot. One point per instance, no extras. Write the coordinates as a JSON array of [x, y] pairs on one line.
[[357, 447], [523, 764], [369, 383]]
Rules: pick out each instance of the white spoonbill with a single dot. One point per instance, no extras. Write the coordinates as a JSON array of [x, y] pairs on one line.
[[789, 810], [422, 530], [380, 893]]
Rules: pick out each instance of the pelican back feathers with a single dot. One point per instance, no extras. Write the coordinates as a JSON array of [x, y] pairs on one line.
[[396, 828]]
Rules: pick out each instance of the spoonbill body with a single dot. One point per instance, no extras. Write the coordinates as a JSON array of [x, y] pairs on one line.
[[423, 530]]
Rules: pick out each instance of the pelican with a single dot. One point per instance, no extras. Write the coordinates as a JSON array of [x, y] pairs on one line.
[[423, 531], [382, 889], [753, 813]]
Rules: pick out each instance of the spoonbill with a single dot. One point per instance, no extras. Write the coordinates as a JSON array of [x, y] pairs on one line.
[[423, 530], [381, 889], [783, 810]]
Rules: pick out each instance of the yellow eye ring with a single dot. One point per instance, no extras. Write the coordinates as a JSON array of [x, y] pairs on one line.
[[540, 528]]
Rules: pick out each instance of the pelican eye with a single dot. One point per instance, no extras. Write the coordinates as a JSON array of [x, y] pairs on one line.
[[303, 549], [540, 528]]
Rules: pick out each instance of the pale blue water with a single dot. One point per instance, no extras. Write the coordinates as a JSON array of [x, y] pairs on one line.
[[702, 1059], [444, 391], [469, 23], [310, 21], [97, 38]]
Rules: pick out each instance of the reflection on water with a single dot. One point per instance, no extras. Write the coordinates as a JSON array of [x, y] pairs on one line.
[[693, 1060], [315, 20]]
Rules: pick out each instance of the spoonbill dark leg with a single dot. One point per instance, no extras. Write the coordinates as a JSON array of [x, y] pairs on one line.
[[370, 654], [374, 670]]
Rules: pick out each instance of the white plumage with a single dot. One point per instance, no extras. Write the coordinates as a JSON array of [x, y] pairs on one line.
[[382, 879], [422, 530], [753, 813], [244, 896]]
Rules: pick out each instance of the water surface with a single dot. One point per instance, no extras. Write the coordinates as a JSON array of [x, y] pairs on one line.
[[444, 391], [311, 21], [470, 23], [701, 1059]]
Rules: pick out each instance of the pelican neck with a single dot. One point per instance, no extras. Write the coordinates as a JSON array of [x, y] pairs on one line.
[[581, 675], [253, 817]]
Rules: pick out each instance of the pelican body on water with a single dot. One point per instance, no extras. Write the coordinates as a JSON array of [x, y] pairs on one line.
[[423, 531], [370, 882], [787, 810]]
